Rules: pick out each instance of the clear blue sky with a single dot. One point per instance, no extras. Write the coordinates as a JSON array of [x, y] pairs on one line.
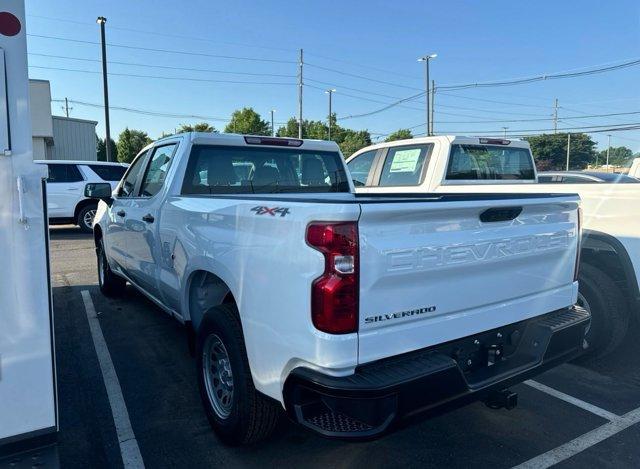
[[475, 41]]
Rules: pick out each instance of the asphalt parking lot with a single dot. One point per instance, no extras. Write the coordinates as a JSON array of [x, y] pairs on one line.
[[583, 415]]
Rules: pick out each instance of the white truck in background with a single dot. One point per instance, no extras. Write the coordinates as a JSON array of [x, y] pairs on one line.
[[610, 254], [350, 311], [634, 171], [28, 399]]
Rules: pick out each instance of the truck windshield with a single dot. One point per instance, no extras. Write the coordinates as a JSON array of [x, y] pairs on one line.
[[489, 162], [244, 170]]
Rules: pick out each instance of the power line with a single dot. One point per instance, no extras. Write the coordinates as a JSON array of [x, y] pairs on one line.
[[365, 66], [168, 51], [389, 106], [544, 119], [165, 67], [150, 113], [154, 33], [205, 80], [362, 77], [494, 101], [551, 76]]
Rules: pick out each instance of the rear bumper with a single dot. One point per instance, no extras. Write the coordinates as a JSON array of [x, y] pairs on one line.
[[380, 394]]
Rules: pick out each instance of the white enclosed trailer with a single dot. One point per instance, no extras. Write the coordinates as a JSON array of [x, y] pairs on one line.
[[28, 404]]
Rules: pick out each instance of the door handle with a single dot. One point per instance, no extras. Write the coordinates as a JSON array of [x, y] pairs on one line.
[[73, 189], [121, 213], [148, 218]]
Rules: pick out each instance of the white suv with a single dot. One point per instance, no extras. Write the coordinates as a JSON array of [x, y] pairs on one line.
[[66, 202]]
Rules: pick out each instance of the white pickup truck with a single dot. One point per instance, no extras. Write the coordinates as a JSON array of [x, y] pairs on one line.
[[348, 311], [610, 254]]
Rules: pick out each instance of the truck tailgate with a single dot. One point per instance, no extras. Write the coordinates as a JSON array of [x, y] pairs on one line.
[[432, 271]]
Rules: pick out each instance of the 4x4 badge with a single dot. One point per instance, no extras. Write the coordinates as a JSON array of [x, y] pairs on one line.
[[262, 210]]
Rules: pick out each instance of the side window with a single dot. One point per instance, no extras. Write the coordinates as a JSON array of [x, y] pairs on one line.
[[131, 177], [360, 166], [108, 172], [64, 173], [157, 170], [404, 165]]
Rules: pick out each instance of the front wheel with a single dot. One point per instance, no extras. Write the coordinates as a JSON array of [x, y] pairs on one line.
[[237, 412], [85, 218], [599, 295]]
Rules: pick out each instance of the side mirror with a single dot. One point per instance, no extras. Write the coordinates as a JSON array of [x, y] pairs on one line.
[[98, 190]]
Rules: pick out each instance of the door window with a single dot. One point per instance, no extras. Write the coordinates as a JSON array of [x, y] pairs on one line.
[[64, 173], [108, 172], [157, 170], [360, 166], [131, 178], [404, 165]]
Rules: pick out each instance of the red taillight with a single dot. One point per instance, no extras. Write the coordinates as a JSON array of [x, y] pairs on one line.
[[576, 270], [334, 295]]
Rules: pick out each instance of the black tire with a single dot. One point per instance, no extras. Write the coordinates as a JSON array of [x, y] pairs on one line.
[[609, 311], [83, 218], [251, 415], [110, 284]]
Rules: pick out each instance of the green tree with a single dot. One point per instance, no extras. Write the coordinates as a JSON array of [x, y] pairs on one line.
[[400, 134], [101, 149], [353, 141], [130, 142], [550, 151], [618, 156], [247, 121], [199, 127]]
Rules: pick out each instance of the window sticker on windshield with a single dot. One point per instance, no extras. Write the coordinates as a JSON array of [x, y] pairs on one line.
[[405, 161]]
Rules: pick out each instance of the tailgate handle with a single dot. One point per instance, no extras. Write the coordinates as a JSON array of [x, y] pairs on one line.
[[500, 214]]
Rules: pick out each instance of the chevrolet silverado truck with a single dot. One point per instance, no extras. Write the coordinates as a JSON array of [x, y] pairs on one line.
[[347, 311], [610, 249]]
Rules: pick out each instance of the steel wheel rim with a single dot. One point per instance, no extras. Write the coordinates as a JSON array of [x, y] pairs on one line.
[[88, 218], [218, 376]]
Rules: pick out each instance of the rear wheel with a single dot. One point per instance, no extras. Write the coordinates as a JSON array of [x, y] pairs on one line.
[[237, 412], [110, 284], [600, 296], [85, 218]]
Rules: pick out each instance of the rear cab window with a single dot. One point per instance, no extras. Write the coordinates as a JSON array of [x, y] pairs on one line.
[[405, 165], [214, 169], [472, 162]]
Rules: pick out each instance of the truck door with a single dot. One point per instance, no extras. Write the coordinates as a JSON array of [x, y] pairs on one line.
[[65, 188], [142, 221], [116, 244], [28, 401]]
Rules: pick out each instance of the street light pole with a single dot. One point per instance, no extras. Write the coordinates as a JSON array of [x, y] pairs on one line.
[[101, 21], [505, 131], [568, 149], [273, 129], [426, 59], [608, 150], [330, 93]]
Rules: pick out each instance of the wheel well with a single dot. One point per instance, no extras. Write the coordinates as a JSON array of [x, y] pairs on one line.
[[97, 234], [206, 290], [82, 204], [607, 254]]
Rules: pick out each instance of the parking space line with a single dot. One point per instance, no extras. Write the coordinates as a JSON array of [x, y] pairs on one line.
[[582, 442], [129, 450], [605, 414]]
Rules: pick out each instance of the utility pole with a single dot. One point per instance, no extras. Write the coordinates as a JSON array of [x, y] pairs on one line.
[[555, 117], [505, 131], [568, 149], [608, 150], [273, 129], [300, 84], [66, 107], [330, 93], [101, 21], [426, 59], [433, 105]]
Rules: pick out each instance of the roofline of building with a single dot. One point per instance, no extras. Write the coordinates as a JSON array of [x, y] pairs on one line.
[[75, 119]]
